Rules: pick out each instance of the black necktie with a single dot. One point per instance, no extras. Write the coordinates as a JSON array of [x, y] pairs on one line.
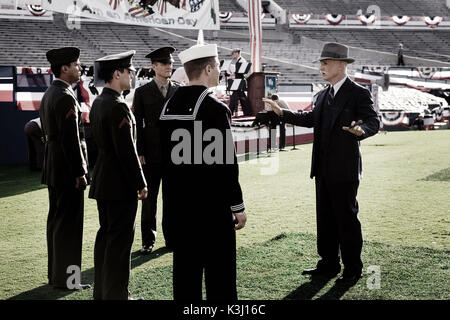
[[330, 97]]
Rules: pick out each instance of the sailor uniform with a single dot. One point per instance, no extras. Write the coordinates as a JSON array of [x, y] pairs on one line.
[[203, 191]]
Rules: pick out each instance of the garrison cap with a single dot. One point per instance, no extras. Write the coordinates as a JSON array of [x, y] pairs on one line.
[[62, 56], [163, 55]]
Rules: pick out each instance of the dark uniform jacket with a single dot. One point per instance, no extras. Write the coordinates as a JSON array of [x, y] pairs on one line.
[[202, 177], [117, 173], [342, 154], [147, 104], [65, 156]]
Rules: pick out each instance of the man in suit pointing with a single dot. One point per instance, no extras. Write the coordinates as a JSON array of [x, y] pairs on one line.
[[343, 115]]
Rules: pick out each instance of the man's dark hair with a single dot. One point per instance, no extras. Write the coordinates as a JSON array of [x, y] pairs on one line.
[[56, 68], [107, 74], [274, 97], [195, 67]]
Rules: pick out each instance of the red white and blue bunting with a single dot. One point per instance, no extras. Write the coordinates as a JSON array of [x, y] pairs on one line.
[[36, 10], [334, 19], [395, 118], [367, 19], [432, 22], [441, 113], [301, 18], [400, 20], [225, 16]]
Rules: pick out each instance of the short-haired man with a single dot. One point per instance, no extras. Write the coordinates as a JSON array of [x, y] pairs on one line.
[[202, 182], [118, 182], [238, 95], [65, 167], [147, 104], [343, 115]]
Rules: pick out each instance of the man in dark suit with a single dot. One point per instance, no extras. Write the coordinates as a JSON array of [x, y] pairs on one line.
[[147, 104], [343, 116], [118, 182], [35, 142], [65, 167], [238, 95], [204, 198]]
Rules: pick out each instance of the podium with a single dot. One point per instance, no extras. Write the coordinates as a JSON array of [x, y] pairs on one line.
[[261, 84]]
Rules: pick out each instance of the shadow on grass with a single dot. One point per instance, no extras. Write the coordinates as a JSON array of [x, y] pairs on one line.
[[336, 292], [307, 290], [16, 180], [47, 292]]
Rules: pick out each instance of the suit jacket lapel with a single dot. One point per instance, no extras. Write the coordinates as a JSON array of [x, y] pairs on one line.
[[318, 106]]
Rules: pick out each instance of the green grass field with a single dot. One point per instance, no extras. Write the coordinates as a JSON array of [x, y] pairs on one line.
[[404, 211]]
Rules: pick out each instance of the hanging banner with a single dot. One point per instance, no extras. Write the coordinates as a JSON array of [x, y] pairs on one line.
[[301, 18], [175, 14], [334, 19], [400, 20]]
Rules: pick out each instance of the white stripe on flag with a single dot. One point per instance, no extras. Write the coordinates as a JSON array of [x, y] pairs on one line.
[[6, 87], [29, 96]]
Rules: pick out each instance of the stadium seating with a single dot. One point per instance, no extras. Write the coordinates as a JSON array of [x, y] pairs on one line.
[[387, 7], [229, 5], [430, 44]]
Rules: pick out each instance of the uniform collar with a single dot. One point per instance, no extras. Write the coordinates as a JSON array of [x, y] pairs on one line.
[[111, 91]]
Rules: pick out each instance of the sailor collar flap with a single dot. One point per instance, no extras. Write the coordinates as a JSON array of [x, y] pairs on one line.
[[188, 111]]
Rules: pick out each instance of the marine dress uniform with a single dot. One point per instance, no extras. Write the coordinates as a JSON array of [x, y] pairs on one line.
[[147, 104], [116, 179], [65, 159]]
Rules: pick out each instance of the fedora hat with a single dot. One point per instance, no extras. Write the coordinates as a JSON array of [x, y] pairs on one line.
[[335, 51]]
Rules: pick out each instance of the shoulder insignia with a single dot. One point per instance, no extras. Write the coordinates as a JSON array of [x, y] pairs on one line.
[[125, 121], [70, 113]]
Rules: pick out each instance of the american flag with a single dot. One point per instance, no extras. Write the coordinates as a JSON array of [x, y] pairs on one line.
[[6, 84], [254, 21], [31, 84]]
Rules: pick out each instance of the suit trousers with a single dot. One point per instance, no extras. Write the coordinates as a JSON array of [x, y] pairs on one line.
[[64, 232], [35, 145], [112, 251], [153, 175], [215, 257], [239, 95], [338, 227]]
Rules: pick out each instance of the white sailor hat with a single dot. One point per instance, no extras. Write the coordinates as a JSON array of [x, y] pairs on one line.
[[198, 51]]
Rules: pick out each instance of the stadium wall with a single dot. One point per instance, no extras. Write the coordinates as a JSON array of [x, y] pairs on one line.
[[13, 145]]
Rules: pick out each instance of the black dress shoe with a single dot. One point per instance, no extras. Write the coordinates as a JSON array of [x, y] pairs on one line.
[[325, 273], [349, 278]]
